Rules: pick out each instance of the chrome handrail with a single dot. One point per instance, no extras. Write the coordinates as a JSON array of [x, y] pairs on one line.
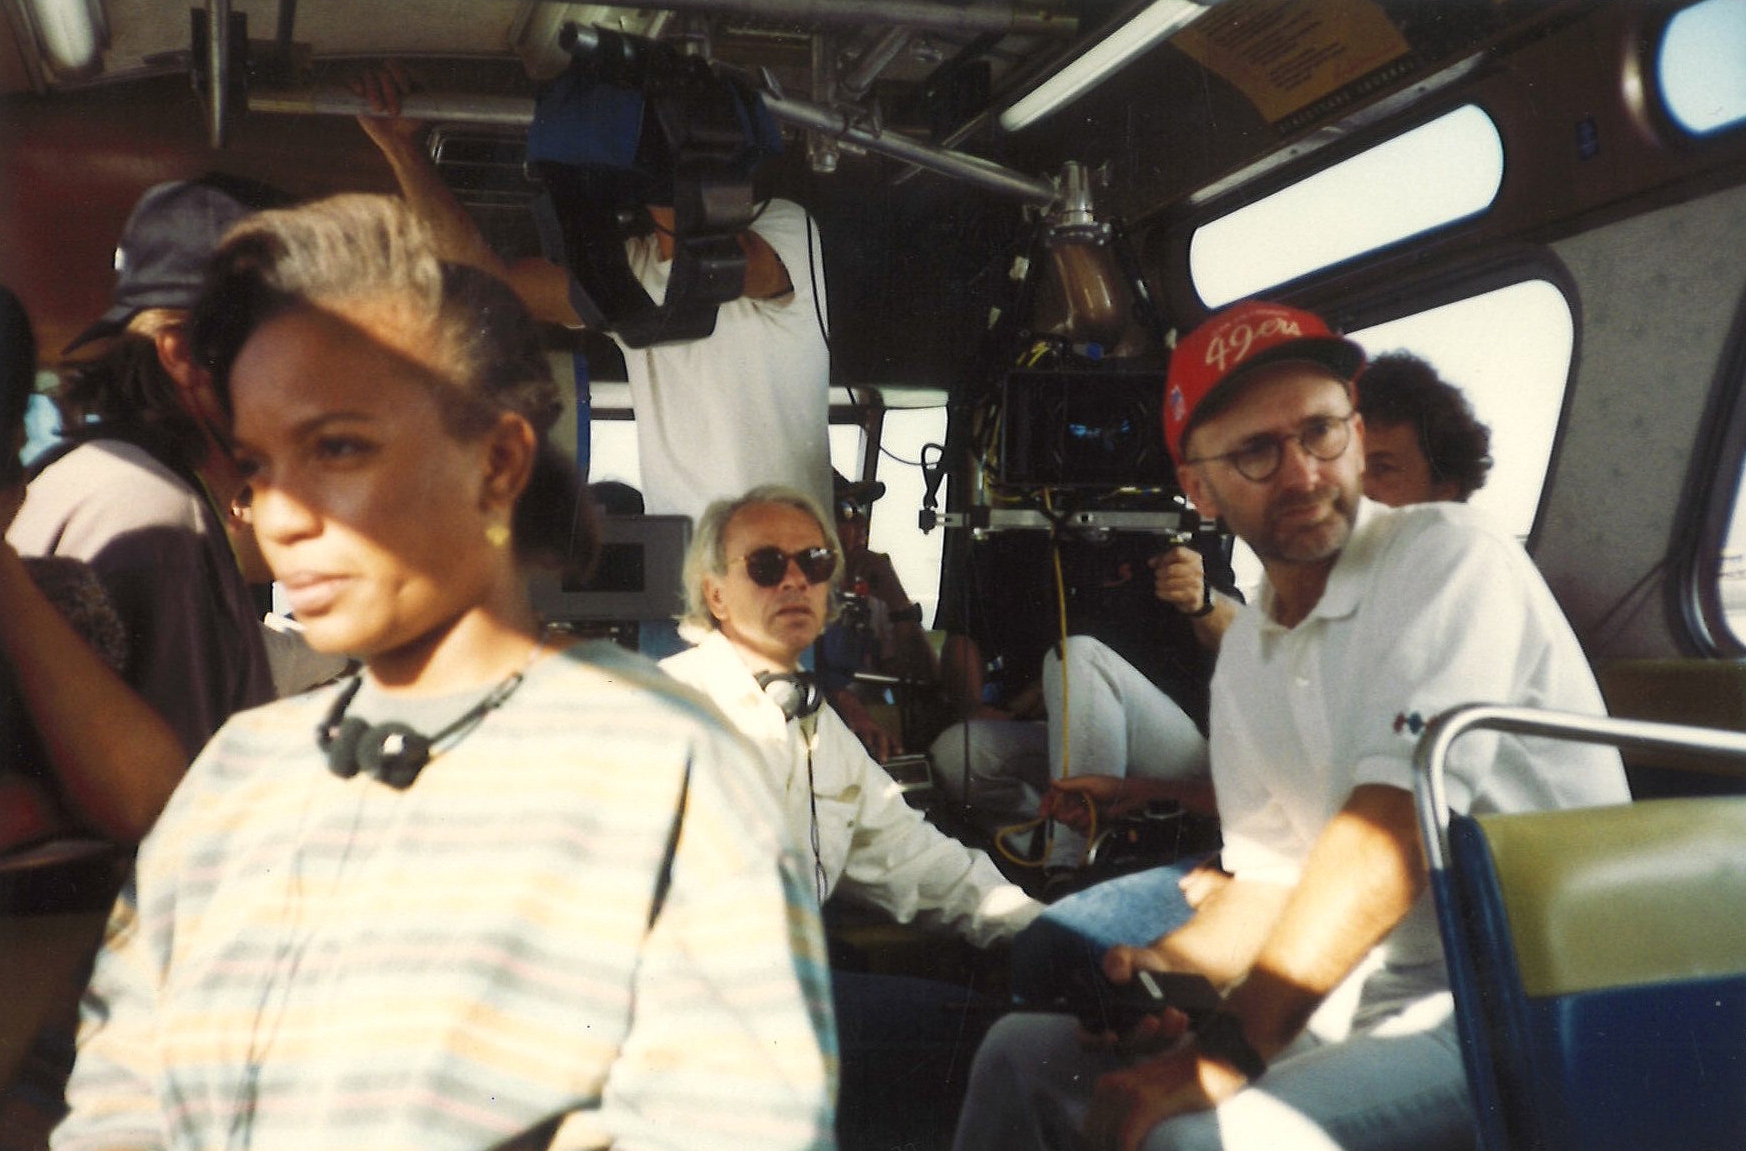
[[1430, 756]]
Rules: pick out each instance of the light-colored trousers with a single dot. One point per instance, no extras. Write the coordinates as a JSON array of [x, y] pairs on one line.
[[1114, 722]]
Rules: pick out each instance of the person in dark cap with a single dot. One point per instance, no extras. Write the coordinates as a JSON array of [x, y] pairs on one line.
[[142, 484], [1335, 1026], [69, 725], [880, 629], [59, 651]]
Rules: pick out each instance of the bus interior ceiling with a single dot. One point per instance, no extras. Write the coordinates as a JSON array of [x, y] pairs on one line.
[[1640, 228]]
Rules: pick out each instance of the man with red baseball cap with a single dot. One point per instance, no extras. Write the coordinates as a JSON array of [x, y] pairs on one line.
[[1336, 1027]]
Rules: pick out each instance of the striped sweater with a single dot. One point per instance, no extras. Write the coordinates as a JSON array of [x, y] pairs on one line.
[[308, 961]]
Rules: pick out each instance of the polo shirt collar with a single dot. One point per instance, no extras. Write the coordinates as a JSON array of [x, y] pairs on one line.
[[1341, 596]]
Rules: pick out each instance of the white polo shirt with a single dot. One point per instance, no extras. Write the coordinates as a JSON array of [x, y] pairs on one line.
[[1427, 607]]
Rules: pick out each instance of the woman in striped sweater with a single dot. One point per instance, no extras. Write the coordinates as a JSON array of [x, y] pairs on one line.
[[496, 890]]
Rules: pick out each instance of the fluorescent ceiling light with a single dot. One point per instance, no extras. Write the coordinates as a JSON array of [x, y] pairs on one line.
[[65, 34], [1150, 25]]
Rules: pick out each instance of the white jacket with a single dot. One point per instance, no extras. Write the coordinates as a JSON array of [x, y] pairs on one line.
[[871, 844]]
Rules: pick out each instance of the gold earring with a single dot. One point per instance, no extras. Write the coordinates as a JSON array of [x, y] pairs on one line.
[[497, 535]]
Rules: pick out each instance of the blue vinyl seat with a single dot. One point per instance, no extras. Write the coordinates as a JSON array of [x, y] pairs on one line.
[[1598, 956]]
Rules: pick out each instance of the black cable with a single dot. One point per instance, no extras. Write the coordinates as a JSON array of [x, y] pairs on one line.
[[897, 459], [812, 278]]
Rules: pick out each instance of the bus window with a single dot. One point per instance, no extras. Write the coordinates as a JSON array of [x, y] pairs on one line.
[[904, 433], [1731, 572], [1730, 567], [1509, 350], [1700, 67], [613, 447], [1514, 376], [1435, 174]]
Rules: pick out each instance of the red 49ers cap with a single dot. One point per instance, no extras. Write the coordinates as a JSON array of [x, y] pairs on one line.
[[1237, 340]]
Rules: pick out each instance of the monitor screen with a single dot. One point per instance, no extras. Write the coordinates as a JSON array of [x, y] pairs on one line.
[[637, 577]]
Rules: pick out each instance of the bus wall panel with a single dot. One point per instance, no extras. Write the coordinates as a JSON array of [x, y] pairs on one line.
[[1658, 296]]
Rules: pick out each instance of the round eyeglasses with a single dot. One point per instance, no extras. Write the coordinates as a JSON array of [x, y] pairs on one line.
[[767, 565], [1257, 459]]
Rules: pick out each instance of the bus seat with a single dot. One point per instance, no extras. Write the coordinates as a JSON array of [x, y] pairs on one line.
[[1704, 692], [1609, 950], [1597, 956]]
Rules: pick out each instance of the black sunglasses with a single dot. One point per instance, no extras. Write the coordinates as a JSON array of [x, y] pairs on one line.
[[768, 565]]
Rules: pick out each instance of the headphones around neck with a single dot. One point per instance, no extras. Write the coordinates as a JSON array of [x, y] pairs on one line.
[[396, 752], [392, 752], [795, 692]]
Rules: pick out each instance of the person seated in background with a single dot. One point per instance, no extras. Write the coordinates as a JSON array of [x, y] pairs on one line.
[[879, 629], [57, 593], [1335, 1025], [68, 725], [498, 889], [1421, 440], [756, 390], [140, 491], [1122, 696], [758, 581], [72, 721]]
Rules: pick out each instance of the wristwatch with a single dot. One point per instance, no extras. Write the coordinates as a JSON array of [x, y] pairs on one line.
[[1220, 1035], [1206, 603]]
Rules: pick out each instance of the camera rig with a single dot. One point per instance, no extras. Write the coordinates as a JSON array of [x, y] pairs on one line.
[[633, 122]]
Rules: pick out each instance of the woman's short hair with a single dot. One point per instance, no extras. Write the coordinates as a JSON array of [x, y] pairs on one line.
[[1400, 388], [707, 554], [352, 253]]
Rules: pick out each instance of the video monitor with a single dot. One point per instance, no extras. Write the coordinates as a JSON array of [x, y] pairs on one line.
[[637, 577]]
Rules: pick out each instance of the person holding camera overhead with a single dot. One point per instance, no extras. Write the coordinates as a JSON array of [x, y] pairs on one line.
[[755, 391]]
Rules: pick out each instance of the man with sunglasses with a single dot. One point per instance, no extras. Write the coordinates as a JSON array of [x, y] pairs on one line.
[[758, 581], [1336, 1026]]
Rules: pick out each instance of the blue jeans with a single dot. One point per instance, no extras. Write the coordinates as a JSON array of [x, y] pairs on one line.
[[1395, 1084], [1131, 909]]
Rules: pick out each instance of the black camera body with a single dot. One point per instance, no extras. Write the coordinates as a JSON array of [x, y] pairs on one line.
[[1101, 1005]]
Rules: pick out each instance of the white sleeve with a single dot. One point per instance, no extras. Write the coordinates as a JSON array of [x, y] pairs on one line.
[[900, 862]]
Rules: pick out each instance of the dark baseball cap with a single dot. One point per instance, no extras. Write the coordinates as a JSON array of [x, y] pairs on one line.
[[172, 231]]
